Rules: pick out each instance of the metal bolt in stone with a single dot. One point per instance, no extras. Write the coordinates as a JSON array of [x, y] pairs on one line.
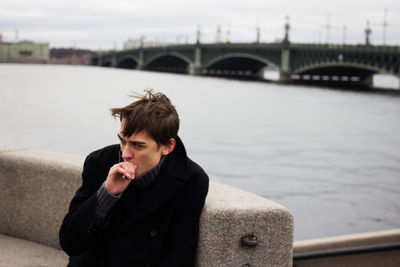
[[249, 241]]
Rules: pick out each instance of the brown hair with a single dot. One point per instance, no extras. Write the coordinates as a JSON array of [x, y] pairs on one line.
[[153, 113]]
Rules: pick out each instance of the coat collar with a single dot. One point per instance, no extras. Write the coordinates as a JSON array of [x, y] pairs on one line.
[[177, 162], [171, 178]]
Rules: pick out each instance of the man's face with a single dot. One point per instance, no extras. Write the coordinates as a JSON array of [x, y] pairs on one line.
[[141, 150]]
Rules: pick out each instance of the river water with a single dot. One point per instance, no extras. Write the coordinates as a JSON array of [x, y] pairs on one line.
[[331, 156]]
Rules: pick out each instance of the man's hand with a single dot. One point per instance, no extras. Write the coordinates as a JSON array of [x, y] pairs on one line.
[[119, 177]]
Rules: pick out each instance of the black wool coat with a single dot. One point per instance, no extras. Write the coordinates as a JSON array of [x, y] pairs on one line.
[[154, 226]]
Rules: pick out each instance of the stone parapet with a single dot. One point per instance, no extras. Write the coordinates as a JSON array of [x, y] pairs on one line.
[[373, 249], [16, 252], [237, 228], [36, 188], [230, 215]]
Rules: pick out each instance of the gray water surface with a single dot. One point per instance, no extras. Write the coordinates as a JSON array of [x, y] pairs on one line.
[[331, 156]]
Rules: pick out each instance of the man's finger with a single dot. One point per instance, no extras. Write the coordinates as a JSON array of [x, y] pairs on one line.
[[125, 173], [130, 167]]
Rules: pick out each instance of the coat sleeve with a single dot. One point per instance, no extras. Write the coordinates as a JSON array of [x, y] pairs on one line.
[[183, 236], [78, 232]]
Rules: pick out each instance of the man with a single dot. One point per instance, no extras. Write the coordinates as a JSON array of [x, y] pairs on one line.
[[140, 201]]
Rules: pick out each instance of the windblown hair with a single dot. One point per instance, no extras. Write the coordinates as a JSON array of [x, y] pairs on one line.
[[153, 113]]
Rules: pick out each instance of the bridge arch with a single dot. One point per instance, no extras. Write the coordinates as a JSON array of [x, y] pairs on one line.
[[339, 73], [127, 62], [168, 62], [348, 66], [240, 55], [240, 65]]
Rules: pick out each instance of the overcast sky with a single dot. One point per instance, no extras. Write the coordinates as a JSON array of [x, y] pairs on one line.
[[101, 24]]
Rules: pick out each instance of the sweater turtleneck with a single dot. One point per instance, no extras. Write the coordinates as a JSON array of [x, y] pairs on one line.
[[148, 177]]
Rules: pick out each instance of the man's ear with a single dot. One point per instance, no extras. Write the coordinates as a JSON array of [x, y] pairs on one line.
[[168, 148]]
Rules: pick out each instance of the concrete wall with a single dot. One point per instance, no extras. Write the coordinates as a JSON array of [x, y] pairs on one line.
[[340, 244], [37, 186], [231, 214], [15, 252]]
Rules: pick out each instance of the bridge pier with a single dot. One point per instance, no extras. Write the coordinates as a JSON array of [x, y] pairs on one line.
[[260, 74], [284, 76], [367, 81], [285, 72], [140, 64], [398, 76], [196, 67], [195, 70], [114, 61]]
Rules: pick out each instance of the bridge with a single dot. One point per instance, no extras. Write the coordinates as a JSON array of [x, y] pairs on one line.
[[303, 63]]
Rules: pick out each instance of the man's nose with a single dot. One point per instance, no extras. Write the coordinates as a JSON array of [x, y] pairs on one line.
[[127, 153]]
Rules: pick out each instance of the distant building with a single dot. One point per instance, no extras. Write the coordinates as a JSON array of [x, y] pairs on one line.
[[71, 56], [24, 52], [131, 44], [134, 44]]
